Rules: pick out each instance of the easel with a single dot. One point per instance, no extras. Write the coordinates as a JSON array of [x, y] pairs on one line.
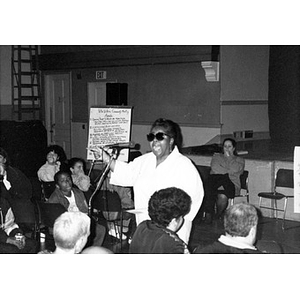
[[100, 182], [108, 125], [98, 187]]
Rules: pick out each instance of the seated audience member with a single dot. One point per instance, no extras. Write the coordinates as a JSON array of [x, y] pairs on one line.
[[55, 161], [73, 200], [10, 241], [15, 187], [77, 168], [70, 231], [226, 169], [109, 200], [166, 208], [96, 250], [240, 223]]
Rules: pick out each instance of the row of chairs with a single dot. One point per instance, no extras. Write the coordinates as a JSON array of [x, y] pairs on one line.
[[44, 214], [284, 178], [38, 216]]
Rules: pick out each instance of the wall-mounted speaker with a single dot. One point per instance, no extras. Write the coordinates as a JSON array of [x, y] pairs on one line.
[[116, 93]]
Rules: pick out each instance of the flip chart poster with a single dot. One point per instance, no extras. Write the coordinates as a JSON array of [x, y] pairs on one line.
[[297, 180], [108, 126]]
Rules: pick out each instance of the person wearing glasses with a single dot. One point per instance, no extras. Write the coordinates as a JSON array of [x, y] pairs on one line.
[[161, 168]]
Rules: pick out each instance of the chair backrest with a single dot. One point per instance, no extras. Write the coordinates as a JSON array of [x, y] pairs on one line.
[[49, 212], [284, 178], [204, 172], [244, 177], [26, 216], [106, 200], [47, 188], [24, 212]]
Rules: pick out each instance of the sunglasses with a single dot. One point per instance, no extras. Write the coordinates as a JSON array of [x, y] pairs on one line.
[[159, 136]]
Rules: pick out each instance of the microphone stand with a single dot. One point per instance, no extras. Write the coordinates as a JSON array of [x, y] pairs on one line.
[[99, 184], [91, 168]]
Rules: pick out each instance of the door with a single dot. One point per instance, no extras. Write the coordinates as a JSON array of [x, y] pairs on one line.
[[58, 110], [97, 93]]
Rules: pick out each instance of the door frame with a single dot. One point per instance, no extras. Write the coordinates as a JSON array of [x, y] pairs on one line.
[[47, 88]]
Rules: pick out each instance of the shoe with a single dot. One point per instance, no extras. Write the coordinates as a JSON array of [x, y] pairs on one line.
[[208, 218], [113, 233]]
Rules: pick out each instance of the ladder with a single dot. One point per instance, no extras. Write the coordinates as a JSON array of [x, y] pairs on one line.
[[25, 83]]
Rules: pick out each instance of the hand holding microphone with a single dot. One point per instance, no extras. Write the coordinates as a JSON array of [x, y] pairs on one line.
[[99, 151]]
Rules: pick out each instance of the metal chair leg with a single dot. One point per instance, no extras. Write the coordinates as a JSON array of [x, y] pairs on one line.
[[259, 202], [275, 210], [121, 230], [284, 212]]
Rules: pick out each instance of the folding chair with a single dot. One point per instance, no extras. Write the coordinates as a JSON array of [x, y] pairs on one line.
[[26, 217], [109, 203], [49, 212], [47, 189], [284, 179], [244, 178]]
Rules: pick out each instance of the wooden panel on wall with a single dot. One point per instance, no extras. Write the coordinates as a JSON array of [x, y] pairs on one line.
[[244, 72], [176, 91]]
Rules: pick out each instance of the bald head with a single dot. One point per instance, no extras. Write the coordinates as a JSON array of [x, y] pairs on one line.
[[96, 250]]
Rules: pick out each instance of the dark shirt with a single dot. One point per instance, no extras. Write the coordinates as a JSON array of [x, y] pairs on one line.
[[21, 188], [152, 238], [19, 195], [58, 197], [6, 216], [220, 248]]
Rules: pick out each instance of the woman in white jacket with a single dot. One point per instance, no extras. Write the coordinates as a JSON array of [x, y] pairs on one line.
[[163, 167]]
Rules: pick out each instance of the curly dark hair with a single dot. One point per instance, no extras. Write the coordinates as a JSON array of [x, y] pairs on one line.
[[171, 128], [59, 151], [74, 160], [169, 203], [239, 219]]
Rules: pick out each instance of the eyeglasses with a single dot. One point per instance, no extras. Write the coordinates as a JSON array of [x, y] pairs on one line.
[[159, 136]]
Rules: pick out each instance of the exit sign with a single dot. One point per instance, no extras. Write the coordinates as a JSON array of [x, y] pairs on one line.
[[100, 74]]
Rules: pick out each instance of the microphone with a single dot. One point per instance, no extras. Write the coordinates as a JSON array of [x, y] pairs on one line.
[[122, 145]]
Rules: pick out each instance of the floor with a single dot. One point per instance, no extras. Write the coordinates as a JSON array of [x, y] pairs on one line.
[[270, 236]]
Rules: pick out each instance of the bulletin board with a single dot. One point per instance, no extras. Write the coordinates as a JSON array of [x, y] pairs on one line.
[[108, 126]]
